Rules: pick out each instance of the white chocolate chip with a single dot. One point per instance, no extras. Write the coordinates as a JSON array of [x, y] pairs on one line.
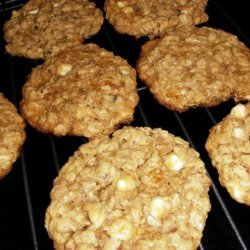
[[196, 220], [106, 88], [120, 4], [64, 69], [124, 70], [174, 162], [153, 221], [96, 214], [5, 157], [121, 229], [106, 167], [183, 92], [80, 113], [183, 2], [239, 111], [184, 18], [190, 195], [33, 12], [237, 193], [126, 183], [159, 207], [112, 244], [239, 133], [128, 10]]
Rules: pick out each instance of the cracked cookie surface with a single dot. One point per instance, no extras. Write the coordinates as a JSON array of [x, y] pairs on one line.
[[228, 145], [192, 67], [42, 28], [12, 135], [83, 91], [153, 17], [140, 188]]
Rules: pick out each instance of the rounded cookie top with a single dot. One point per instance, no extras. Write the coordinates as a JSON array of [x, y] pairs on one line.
[[42, 28], [153, 17], [83, 91], [193, 67], [12, 135], [141, 188], [228, 145]]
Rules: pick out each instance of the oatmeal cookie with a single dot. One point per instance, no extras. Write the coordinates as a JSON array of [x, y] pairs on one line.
[[83, 91], [153, 17], [12, 135], [193, 67], [42, 28], [140, 188], [228, 145]]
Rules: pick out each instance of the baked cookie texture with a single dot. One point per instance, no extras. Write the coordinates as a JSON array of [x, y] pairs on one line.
[[228, 145], [42, 28], [193, 67], [83, 91], [12, 135], [140, 188], [153, 17]]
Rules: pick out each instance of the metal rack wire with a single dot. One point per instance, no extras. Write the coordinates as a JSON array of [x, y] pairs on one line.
[[25, 191]]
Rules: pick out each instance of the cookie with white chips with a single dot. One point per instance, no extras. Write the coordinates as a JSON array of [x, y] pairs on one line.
[[153, 17], [12, 135], [42, 28], [83, 91], [141, 188], [228, 145], [195, 67]]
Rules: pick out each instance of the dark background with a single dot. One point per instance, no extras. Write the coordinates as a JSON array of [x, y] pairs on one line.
[[24, 193]]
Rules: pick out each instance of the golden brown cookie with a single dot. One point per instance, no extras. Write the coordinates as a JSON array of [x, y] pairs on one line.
[[42, 28], [12, 135], [228, 145], [83, 91], [193, 67], [153, 17], [141, 188]]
